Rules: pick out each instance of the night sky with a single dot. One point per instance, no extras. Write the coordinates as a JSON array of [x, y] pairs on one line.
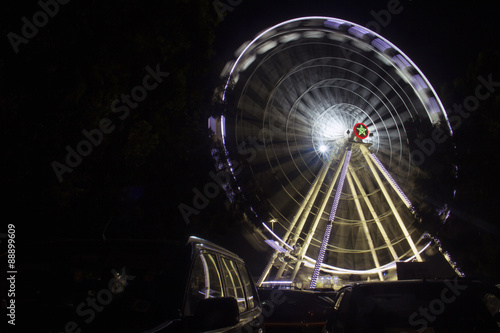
[[68, 77]]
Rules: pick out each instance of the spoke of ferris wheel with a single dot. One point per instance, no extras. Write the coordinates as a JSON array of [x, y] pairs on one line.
[[374, 214], [365, 226], [328, 230], [391, 181], [366, 154], [315, 224], [304, 211]]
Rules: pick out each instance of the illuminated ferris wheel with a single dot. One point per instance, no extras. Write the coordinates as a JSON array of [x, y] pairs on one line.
[[319, 120]]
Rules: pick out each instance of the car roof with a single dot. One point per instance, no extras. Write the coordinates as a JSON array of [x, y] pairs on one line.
[[415, 282], [203, 244]]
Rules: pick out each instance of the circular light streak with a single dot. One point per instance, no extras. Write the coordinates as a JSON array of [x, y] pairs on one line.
[[296, 91]]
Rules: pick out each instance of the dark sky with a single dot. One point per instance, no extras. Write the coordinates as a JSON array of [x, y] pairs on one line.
[[441, 37], [93, 44]]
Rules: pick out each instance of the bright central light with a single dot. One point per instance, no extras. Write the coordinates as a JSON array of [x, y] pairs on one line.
[[323, 148]]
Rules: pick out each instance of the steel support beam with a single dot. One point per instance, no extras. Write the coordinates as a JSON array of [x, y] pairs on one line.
[[391, 181], [304, 211], [364, 224], [374, 214], [329, 227], [314, 226], [388, 198]]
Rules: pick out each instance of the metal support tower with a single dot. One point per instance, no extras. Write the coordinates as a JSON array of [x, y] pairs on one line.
[[344, 171], [328, 230]]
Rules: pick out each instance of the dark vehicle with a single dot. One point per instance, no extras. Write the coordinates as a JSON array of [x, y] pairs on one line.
[[136, 286], [416, 306], [303, 311]]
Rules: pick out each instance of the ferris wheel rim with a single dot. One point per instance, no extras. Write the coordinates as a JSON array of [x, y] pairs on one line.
[[234, 72], [327, 18]]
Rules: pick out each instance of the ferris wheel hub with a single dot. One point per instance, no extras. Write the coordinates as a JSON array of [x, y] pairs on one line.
[[332, 129]]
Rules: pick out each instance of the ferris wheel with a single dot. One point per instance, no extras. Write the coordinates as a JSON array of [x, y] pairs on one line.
[[321, 116]]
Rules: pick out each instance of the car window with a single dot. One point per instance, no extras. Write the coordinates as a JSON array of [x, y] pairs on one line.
[[205, 281], [233, 283], [249, 290]]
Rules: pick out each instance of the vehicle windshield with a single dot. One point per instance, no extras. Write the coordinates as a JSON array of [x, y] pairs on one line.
[[102, 287]]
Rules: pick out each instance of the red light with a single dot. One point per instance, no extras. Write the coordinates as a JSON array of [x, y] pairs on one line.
[[361, 131]]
